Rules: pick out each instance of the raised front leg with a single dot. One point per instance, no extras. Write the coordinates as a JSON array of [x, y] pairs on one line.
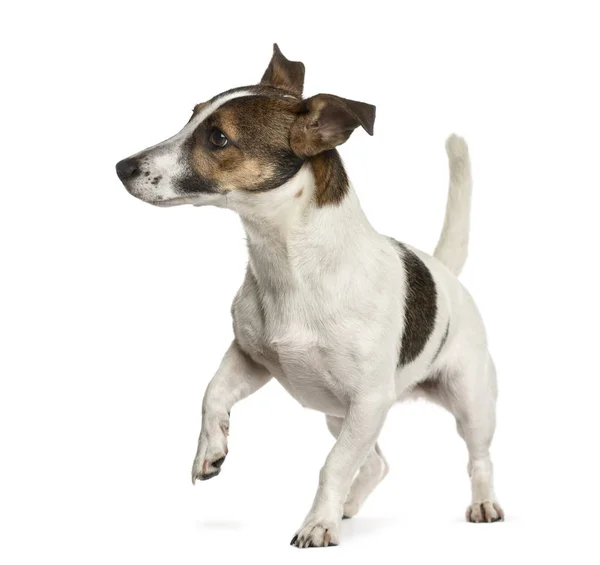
[[237, 377], [355, 442]]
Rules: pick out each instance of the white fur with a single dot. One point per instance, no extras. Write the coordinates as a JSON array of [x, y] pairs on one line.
[[454, 242], [321, 310]]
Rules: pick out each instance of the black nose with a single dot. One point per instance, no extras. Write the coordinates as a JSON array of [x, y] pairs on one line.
[[128, 168]]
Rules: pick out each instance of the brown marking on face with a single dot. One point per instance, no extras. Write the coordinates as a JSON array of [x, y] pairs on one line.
[[257, 156], [228, 169]]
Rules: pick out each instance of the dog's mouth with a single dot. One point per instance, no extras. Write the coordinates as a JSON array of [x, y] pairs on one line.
[[169, 202], [181, 200], [161, 201]]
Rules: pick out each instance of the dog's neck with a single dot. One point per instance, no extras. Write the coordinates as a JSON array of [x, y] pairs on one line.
[[308, 225]]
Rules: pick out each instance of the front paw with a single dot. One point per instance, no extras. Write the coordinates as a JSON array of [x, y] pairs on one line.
[[486, 511], [317, 533], [204, 469], [212, 450]]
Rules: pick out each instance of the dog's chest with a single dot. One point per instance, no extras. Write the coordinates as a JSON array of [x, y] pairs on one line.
[[296, 345]]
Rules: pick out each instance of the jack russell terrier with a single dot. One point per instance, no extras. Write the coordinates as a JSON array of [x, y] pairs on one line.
[[347, 320]]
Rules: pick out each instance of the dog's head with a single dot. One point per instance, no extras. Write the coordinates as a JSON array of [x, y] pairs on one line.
[[251, 139]]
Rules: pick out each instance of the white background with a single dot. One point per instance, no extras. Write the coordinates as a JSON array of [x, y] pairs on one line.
[[115, 314]]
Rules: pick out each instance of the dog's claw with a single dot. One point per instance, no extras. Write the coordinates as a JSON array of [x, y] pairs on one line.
[[318, 535], [202, 471], [207, 476]]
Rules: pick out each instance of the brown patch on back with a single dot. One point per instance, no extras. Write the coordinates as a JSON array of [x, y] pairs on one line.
[[331, 181]]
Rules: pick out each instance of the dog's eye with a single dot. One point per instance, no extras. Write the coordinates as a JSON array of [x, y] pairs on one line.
[[218, 138]]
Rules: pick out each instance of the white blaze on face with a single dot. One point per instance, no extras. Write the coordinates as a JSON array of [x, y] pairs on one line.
[[162, 163]]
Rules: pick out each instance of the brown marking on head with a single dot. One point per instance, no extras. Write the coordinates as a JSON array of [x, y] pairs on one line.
[[270, 134], [284, 74], [300, 193], [257, 155]]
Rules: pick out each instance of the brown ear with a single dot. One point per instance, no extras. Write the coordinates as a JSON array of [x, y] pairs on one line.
[[282, 73], [325, 121]]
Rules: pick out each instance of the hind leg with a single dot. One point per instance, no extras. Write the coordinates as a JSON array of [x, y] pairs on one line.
[[470, 394], [372, 472]]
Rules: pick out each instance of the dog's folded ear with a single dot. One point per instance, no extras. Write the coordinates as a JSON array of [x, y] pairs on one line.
[[285, 74], [325, 121]]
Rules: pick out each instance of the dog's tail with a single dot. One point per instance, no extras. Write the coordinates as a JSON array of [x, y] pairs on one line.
[[452, 248]]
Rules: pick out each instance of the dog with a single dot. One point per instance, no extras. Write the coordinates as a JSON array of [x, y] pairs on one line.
[[347, 320]]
